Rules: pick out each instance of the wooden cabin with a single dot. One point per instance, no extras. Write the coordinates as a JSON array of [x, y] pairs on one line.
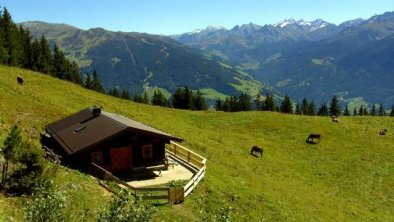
[[114, 142]]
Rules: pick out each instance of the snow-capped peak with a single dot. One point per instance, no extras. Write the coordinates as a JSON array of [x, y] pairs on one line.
[[306, 23], [207, 29], [314, 24], [214, 28], [286, 22], [196, 31]]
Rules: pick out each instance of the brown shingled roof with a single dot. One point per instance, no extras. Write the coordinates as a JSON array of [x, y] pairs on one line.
[[83, 130]]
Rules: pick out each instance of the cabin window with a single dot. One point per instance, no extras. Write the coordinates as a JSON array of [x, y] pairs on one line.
[[147, 152], [97, 157]]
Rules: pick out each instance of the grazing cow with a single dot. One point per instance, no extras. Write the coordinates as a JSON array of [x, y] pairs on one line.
[[19, 80], [313, 136], [335, 119], [383, 132], [257, 149]]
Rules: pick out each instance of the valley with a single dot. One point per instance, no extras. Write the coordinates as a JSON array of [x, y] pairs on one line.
[[313, 59]]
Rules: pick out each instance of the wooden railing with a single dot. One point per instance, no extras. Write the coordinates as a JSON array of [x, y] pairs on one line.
[[136, 192], [185, 154], [189, 157]]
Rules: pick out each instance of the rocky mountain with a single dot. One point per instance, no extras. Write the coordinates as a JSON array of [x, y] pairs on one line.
[[314, 59], [247, 45], [138, 61], [357, 63]]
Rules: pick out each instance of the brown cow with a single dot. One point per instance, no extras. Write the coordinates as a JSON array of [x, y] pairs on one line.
[[383, 132], [335, 119], [19, 79]]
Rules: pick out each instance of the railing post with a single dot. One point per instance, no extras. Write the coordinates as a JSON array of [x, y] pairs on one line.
[[169, 194], [188, 156]]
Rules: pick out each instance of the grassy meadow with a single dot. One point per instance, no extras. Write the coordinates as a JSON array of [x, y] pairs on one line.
[[348, 176]]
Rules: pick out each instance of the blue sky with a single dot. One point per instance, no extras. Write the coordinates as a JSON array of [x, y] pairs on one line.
[[178, 16]]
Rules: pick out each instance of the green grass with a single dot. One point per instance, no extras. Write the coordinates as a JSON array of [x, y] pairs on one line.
[[210, 93], [273, 58], [318, 61], [151, 90], [247, 86], [348, 176]]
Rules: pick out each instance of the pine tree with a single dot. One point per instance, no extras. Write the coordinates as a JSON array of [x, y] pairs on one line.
[[26, 40], [335, 110], [183, 98], [219, 105], [11, 143], [36, 54], [365, 111], [257, 102], [244, 103], [311, 109], [45, 57], [125, 94], [355, 111], [199, 101], [145, 98], [373, 110], [3, 44], [74, 73], [298, 109], [68, 70], [346, 112], [323, 110], [59, 63], [159, 99], [269, 104], [88, 84], [361, 111], [178, 99], [96, 84], [188, 103], [11, 47], [18, 49], [287, 105], [381, 111], [137, 98], [114, 92], [226, 105], [304, 106], [392, 111], [233, 104]]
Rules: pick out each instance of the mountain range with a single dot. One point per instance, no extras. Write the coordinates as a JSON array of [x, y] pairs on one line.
[[354, 60], [313, 59], [141, 62]]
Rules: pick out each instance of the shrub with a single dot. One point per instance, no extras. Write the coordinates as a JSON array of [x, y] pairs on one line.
[[29, 164], [11, 143], [177, 183], [124, 208], [47, 205]]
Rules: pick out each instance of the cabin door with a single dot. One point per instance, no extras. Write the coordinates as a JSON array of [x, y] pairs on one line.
[[121, 159]]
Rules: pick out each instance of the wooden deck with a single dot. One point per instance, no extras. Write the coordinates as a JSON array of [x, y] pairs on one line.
[[178, 155]]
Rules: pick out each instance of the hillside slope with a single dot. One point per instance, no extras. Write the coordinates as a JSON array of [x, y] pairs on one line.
[[348, 176]]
